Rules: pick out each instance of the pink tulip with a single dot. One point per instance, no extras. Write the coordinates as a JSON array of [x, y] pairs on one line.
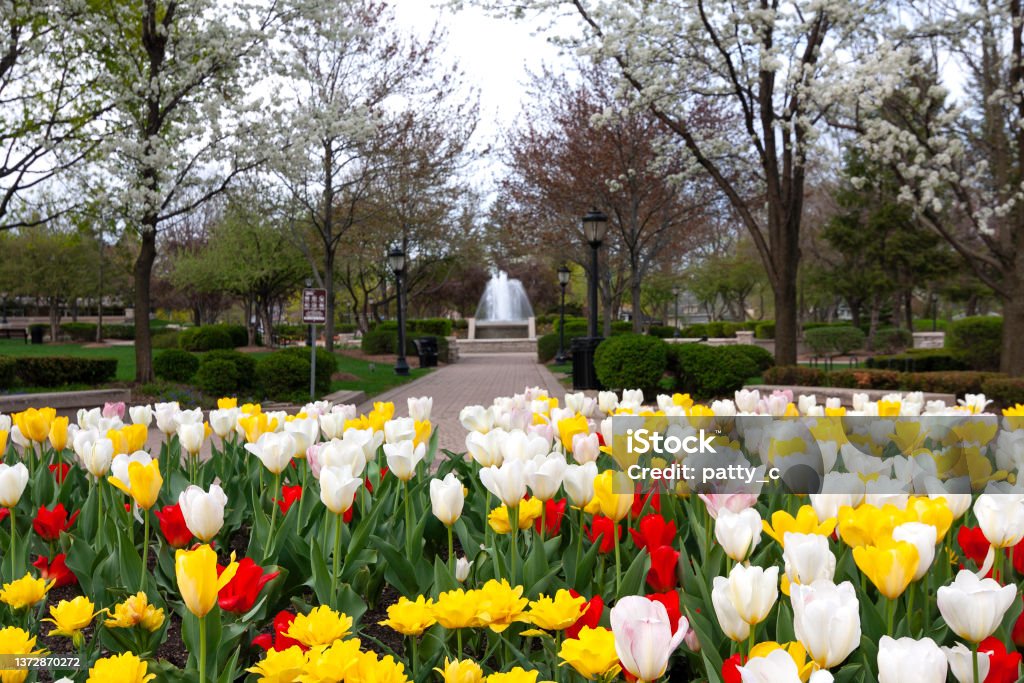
[[644, 638], [114, 410], [733, 502]]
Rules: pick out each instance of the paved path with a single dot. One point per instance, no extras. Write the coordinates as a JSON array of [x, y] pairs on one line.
[[474, 379]]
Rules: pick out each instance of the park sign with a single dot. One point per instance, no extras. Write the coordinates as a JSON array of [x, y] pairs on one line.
[[314, 306]]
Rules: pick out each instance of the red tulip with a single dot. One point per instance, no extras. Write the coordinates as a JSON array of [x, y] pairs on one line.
[[606, 530], [654, 532], [590, 617], [240, 593], [289, 494], [57, 570], [3, 513], [60, 471], [1017, 553], [49, 523], [670, 599], [282, 621], [264, 641], [172, 525], [730, 672], [1003, 665], [662, 575], [1018, 631], [645, 502], [973, 543], [554, 511]]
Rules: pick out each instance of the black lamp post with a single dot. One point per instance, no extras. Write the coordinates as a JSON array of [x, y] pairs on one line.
[[396, 259], [595, 226], [563, 281], [675, 320]]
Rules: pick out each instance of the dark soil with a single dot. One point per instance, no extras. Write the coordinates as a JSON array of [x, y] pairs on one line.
[[386, 635]]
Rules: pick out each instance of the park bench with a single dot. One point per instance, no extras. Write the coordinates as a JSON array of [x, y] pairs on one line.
[[14, 333]]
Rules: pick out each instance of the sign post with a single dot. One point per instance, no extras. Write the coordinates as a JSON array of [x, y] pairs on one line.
[[314, 312]]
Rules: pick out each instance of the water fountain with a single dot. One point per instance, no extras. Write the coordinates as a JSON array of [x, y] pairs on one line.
[[504, 311]]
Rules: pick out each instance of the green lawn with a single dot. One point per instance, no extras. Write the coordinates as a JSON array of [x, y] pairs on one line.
[[125, 355], [374, 378]]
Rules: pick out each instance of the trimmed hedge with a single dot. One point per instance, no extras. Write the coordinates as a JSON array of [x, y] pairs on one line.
[[707, 372], [281, 376], [958, 383], [326, 365], [205, 338], [865, 379], [1005, 391], [116, 331], [547, 347], [631, 361], [661, 331], [976, 341], [765, 330], [245, 366], [80, 332], [7, 371], [55, 371], [217, 377], [920, 360], [795, 375], [836, 340], [762, 358], [165, 339], [892, 339], [175, 365]]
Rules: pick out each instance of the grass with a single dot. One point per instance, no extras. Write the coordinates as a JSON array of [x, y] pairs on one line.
[[373, 378], [125, 355]]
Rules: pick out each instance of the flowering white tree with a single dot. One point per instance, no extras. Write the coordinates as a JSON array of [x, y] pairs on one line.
[[773, 64], [175, 74], [345, 70], [46, 104], [960, 156]]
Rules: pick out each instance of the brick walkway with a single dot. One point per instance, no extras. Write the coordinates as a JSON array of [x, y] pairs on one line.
[[475, 379]]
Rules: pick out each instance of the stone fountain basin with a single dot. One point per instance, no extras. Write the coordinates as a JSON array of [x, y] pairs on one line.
[[502, 329]]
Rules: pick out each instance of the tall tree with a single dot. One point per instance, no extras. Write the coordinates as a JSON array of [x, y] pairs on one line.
[[176, 74], [773, 64]]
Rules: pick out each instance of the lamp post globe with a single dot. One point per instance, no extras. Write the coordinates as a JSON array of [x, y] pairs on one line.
[[396, 261]]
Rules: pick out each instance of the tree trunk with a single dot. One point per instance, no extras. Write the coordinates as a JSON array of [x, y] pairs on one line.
[[785, 321], [1011, 359], [607, 307], [855, 311], [873, 323], [908, 304], [250, 326], [329, 312], [638, 324], [54, 319], [143, 279]]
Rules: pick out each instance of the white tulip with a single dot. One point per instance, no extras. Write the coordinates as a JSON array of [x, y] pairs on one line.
[[585, 448], [961, 663], [165, 413], [807, 558], [838, 489], [203, 512], [1001, 518], [826, 620], [958, 503], [723, 408], [338, 452], [973, 608], [96, 456], [332, 425], [222, 421], [119, 465], [738, 532], [367, 439], [399, 429], [633, 397], [192, 416], [518, 445], [447, 498], [5, 423], [607, 402], [305, 431], [907, 659], [141, 415], [579, 483], [644, 636], [751, 590], [507, 482], [728, 615], [274, 449], [777, 667], [191, 436], [18, 438], [462, 567], [89, 418], [338, 486], [747, 400], [12, 483], [419, 408], [544, 475], [485, 449], [923, 537], [403, 457], [477, 418]]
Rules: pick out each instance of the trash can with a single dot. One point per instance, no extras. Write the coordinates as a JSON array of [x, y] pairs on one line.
[[584, 376], [426, 348], [37, 332]]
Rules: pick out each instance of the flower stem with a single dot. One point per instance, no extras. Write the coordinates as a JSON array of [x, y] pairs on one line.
[[14, 534], [145, 549], [415, 658], [487, 527], [618, 561], [974, 661], [99, 511], [337, 556], [273, 511], [202, 649], [408, 523], [513, 515], [458, 643], [451, 551], [751, 640], [890, 615], [579, 547]]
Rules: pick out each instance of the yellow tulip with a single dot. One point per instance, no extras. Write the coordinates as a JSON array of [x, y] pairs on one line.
[[867, 524], [515, 675], [322, 626], [805, 522], [461, 671], [529, 511], [889, 408], [3, 441], [369, 667], [70, 617], [890, 565], [59, 433], [410, 617], [569, 427], [16, 641], [423, 431], [934, 512], [35, 424], [457, 609], [144, 482], [225, 403], [256, 425], [24, 592], [136, 611], [607, 501], [198, 583], [330, 662], [591, 653], [123, 668], [500, 604], [280, 665], [558, 613]]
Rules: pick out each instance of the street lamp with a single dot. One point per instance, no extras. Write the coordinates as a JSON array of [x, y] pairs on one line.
[[675, 320], [563, 281], [396, 259], [595, 226]]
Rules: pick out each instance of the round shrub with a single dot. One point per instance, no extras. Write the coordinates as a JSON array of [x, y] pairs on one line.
[[217, 377], [206, 338], [976, 341], [893, 339], [245, 365], [175, 365], [326, 365], [281, 376], [547, 347], [631, 361], [765, 330], [841, 340], [166, 339], [661, 331], [707, 372], [378, 342], [761, 357]]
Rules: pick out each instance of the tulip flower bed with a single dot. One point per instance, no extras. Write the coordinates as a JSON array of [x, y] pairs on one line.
[[329, 546]]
